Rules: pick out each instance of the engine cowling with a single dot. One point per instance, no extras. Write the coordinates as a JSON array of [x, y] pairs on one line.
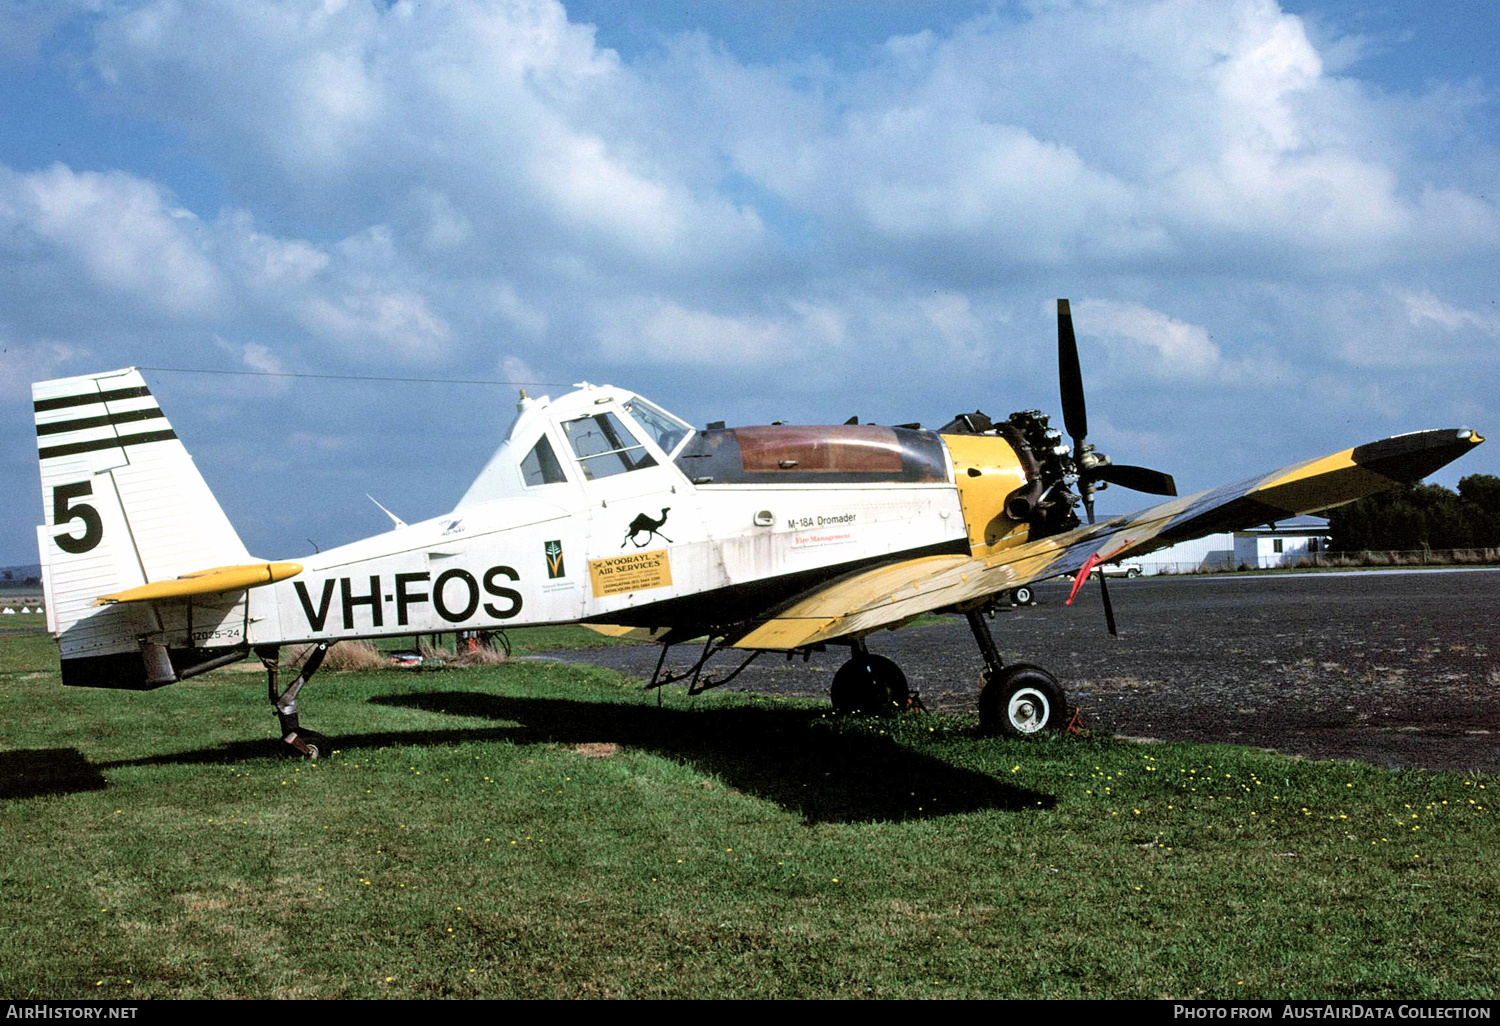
[[1013, 478]]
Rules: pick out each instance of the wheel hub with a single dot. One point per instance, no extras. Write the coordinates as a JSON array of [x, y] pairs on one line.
[[1028, 711]]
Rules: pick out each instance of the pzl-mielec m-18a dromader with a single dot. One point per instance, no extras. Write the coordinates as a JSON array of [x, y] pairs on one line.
[[603, 509]]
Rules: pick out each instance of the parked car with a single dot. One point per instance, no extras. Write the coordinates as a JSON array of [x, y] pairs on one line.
[[1131, 570]]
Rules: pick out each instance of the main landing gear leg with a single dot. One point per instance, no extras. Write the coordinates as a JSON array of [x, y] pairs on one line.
[[868, 685], [307, 743], [1019, 699]]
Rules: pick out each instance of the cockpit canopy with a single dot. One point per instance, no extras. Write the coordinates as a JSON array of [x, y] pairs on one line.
[[841, 454], [587, 435], [600, 432]]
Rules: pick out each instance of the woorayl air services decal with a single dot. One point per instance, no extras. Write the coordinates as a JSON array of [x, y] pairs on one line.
[[638, 571]]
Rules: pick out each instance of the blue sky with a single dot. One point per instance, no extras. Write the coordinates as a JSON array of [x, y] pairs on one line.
[[1278, 226]]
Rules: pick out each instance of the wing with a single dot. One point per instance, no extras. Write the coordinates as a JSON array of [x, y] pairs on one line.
[[892, 595]]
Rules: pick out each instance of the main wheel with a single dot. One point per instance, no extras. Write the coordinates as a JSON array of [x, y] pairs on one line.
[[869, 685], [1023, 596], [1022, 700]]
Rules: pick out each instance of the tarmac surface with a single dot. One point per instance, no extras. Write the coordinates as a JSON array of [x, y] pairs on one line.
[[1400, 669]]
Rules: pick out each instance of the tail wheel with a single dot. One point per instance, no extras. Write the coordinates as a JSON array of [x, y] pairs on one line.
[[1023, 596], [1021, 700], [869, 685], [318, 746]]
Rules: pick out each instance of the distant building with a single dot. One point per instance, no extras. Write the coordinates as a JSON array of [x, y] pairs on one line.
[[1284, 543]]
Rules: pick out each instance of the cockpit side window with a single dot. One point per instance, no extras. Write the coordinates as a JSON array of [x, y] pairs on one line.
[[605, 447], [665, 430], [540, 467]]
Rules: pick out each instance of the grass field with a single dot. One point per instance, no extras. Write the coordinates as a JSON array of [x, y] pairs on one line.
[[541, 830]]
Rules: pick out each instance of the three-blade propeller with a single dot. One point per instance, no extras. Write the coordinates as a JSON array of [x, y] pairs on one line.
[[1094, 467]]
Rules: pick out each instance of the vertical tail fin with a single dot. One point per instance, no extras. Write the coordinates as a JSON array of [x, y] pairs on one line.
[[124, 505]]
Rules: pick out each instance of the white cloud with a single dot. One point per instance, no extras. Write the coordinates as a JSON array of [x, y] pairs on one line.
[[473, 106], [263, 261], [1260, 75], [22, 363], [259, 358], [121, 232], [1199, 133], [1148, 343], [666, 333], [951, 314], [502, 136], [1398, 326], [515, 369], [1422, 307], [442, 226], [392, 324], [253, 356], [508, 303], [98, 236]]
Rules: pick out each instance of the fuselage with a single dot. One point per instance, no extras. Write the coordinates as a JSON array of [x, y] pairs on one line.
[[602, 508]]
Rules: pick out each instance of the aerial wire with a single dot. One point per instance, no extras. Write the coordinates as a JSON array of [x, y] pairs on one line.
[[349, 377]]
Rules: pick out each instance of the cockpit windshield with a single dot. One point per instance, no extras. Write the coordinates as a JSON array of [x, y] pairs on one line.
[[605, 447], [665, 430]]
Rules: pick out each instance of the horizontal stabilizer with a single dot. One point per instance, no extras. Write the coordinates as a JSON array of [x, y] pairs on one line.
[[206, 582]]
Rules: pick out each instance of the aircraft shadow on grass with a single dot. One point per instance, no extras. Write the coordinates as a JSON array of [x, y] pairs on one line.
[[784, 756], [35, 772]]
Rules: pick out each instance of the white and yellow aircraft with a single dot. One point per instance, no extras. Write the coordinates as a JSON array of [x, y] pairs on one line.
[[603, 509]]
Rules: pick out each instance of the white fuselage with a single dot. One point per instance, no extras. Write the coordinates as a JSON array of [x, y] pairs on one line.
[[517, 562], [637, 547]]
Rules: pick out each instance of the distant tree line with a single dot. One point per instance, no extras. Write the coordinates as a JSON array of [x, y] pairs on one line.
[[1421, 517]]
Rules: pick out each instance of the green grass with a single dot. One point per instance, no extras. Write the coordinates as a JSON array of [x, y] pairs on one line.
[[541, 830], [25, 647]]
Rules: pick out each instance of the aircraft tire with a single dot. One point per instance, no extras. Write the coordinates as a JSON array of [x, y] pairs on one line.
[[1020, 701], [869, 685], [1023, 596]]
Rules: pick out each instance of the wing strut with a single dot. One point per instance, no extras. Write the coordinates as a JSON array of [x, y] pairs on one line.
[[1109, 607], [1083, 575], [710, 649]]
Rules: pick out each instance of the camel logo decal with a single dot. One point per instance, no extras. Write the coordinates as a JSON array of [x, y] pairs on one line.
[[644, 525]]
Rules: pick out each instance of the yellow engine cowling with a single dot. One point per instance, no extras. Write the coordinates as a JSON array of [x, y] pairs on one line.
[[987, 470]]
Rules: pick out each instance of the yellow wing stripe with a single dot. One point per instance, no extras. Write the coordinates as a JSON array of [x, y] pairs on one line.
[[616, 630], [206, 582]]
